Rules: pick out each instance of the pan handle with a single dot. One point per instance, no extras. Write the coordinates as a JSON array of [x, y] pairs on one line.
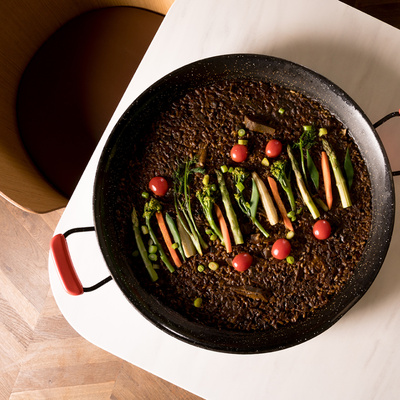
[[65, 267], [383, 120]]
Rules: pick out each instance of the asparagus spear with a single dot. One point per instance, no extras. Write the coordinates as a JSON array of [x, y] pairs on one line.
[[337, 172], [175, 234], [230, 212], [141, 246], [302, 186]]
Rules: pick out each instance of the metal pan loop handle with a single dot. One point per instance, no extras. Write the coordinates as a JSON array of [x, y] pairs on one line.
[[65, 267], [383, 120]]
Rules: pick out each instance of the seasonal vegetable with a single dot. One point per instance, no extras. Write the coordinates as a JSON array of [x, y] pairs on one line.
[[273, 148], [306, 141], [167, 238], [158, 185], [150, 208], [279, 202], [141, 247], [348, 168], [278, 170], [248, 208], [326, 174], [312, 170], [242, 261], [239, 153], [281, 249], [337, 173], [213, 265], [182, 200], [302, 186], [230, 212], [266, 199], [322, 229], [175, 234], [224, 229], [187, 244], [207, 197]]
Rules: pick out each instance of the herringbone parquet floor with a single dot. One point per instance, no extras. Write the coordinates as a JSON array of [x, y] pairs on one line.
[[41, 356]]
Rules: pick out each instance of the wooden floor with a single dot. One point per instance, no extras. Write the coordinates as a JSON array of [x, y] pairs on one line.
[[41, 356]]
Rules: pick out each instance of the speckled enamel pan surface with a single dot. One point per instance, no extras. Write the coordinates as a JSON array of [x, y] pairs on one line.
[[293, 76]]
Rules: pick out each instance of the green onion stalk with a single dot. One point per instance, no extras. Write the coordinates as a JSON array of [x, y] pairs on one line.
[[337, 172], [302, 186], [248, 208], [150, 208], [175, 234], [141, 247], [230, 212]]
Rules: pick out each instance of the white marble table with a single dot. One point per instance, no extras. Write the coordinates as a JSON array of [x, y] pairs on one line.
[[359, 357]]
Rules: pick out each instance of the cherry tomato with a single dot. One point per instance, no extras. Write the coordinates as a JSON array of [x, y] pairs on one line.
[[322, 229], [158, 185], [239, 152], [273, 148], [281, 249], [242, 261]]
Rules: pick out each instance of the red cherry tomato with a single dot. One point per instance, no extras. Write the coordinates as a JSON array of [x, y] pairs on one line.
[[158, 185], [281, 249], [273, 148], [322, 229], [242, 261], [239, 152]]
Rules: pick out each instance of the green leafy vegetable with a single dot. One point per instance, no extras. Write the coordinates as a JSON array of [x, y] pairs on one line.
[[312, 170], [248, 208], [182, 201], [207, 196], [302, 186], [348, 168], [306, 141], [278, 170]]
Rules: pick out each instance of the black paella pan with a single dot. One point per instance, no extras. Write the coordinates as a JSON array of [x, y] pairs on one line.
[[117, 153]]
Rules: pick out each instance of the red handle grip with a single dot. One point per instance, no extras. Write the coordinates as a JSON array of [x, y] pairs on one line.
[[65, 267]]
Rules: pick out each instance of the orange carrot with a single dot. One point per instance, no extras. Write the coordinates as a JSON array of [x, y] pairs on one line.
[[167, 238], [326, 173], [279, 203], [224, 229]]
